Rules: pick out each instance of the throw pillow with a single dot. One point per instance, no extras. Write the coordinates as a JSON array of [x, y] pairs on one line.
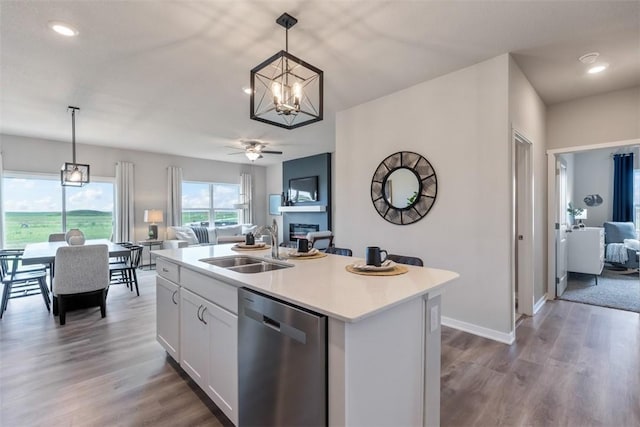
[[632, 244], [229, 230], [188, 235]]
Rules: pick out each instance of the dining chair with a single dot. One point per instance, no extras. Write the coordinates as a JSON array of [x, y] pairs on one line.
[[321, 237], [124, 272], [57, 237], [18, 282], [81, 272], [339, 251], [407, 260]]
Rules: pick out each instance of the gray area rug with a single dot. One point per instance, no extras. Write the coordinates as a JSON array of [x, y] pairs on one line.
[[615, 289]]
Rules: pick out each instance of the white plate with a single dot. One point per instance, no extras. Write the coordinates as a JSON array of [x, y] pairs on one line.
[[386, 266], [312, 252]]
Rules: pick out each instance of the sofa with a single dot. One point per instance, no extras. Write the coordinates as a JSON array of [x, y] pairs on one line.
[[185, 236], [621, 244]]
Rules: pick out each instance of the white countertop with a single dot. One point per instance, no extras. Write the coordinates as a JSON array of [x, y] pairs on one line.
[[322, 285]]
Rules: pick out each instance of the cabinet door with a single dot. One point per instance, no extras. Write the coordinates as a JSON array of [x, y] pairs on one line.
[[222, 385], [168, 316], [194, 337]]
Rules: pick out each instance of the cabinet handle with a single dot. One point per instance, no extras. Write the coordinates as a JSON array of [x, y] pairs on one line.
[[202, 318], [164, 270], [198, 314], [173, 297]]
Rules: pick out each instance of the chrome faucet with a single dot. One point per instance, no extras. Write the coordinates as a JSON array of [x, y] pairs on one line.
[[273, 233]]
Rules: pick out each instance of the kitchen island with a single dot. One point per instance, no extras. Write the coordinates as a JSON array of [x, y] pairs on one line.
[[383, 332]]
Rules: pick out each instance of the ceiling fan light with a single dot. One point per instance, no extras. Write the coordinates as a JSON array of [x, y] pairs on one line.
[[252, 155]]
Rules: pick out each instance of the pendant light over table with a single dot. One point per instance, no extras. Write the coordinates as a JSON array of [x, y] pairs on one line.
[[74, 174], [285, 90]]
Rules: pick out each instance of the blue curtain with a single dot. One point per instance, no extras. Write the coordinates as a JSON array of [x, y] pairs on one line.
[[623, 187]]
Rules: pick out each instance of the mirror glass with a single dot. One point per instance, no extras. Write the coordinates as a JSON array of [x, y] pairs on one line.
[[401, 188], [404, 188]]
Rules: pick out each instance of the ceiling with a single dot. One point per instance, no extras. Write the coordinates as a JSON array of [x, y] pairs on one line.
[[168, 76]]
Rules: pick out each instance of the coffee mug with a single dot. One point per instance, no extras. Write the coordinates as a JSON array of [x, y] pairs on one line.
[[249, 239], [372, 256], [303, 245]]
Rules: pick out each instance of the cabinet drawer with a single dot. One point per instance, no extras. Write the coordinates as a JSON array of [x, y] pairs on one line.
[[218, 292], [168, 270]]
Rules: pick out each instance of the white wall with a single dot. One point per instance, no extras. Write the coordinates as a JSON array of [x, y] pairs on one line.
[[527, 117], [459, 122], [594, 175], [22, 154], [614, 116], [274, 186]]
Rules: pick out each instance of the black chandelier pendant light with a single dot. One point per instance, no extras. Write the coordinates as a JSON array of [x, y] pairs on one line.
[[285, 90], [74, 174]]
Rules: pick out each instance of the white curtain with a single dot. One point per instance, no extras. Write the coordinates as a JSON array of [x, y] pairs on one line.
[[246, 197], [174, 196], [125, 220], [1, 204]]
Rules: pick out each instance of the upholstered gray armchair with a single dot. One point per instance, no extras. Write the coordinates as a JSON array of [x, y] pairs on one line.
[[619, 238], [81, 271]]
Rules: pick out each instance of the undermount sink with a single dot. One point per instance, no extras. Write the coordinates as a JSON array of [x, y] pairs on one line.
[[245, 264]]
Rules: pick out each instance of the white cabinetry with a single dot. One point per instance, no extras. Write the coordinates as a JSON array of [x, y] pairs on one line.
[[585, 248], [209, 350], [168, 316]]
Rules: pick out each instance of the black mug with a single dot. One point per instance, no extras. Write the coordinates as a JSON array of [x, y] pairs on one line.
[[303, 245], [372, 256], [249, 239]]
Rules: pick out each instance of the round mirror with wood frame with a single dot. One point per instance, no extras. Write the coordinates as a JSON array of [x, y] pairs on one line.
[[404, 188]]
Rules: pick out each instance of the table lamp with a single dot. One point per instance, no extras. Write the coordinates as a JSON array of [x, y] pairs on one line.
[[153, 216], [582, 215]]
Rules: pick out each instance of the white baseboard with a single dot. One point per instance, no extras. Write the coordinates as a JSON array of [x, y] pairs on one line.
[[538, 305], [507, 338]]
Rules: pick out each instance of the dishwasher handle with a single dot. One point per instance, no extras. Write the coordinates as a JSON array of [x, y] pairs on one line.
[[270, 323]]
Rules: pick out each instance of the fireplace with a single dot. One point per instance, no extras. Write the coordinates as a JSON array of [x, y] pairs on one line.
[[299, 231]]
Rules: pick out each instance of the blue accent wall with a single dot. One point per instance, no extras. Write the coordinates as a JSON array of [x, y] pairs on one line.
[[320, 166]]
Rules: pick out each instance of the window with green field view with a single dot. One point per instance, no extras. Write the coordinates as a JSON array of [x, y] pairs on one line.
[[210, 202], [36, 206]]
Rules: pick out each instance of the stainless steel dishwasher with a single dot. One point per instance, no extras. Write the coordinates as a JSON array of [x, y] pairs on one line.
[[282, 363]]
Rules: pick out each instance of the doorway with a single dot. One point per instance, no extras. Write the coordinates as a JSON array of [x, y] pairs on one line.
[[557, 212], [522, 231]]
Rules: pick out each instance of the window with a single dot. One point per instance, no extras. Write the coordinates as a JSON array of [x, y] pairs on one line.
[[210, 202], [636, 198], [37, 205]]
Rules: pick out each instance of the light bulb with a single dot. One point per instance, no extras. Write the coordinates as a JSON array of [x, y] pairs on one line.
[[598, 68], [297, 94], [276, 89], [76, 175], [63, 29]]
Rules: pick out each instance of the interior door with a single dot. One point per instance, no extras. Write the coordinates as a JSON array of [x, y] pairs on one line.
[[561, 228]]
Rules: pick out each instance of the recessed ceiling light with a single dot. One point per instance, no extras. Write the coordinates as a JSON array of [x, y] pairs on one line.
[[247, 90], [63, 29], [597, 68]]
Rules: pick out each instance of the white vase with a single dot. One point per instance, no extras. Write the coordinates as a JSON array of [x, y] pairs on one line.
[[74, 237]]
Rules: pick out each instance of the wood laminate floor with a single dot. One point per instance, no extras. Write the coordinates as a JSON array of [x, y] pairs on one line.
[[572, 364]]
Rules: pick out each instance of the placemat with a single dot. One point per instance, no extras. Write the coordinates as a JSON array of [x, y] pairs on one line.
[[395, 271], [316, 256], [239, 249]]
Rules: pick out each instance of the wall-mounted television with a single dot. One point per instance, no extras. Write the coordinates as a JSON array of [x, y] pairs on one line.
[[303, 189]]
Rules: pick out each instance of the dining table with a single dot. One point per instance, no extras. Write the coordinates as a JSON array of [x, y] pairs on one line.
[[45, 252]]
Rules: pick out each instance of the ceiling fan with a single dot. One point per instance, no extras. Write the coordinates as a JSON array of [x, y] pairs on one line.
[[254, 149]]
